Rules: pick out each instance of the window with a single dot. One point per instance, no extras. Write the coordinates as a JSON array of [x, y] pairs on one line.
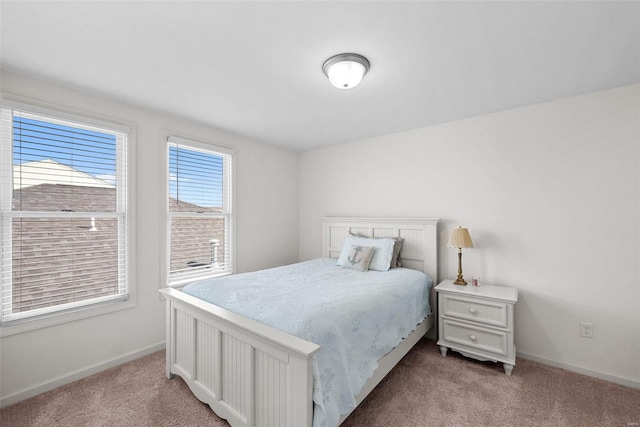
[[64, 212], [199, 210]]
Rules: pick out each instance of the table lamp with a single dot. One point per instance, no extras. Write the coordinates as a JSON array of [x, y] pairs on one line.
[[460, 239]]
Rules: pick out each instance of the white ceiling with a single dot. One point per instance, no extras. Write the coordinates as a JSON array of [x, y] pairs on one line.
[[254, 68]]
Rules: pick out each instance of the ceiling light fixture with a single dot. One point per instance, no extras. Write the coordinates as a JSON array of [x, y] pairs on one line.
[[346, 70]]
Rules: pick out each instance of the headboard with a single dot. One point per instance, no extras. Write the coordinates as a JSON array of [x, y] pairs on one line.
[[420, 248], [419, 251]]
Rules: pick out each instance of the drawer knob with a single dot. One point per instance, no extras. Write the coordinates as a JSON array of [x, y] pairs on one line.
[[472, 310], [472, 337]]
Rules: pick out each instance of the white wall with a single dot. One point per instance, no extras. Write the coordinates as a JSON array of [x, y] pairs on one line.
[[551, 196], [550, 193], [267, 235]]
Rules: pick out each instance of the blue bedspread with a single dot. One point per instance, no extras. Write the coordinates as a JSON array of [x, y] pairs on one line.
[[356, 318]]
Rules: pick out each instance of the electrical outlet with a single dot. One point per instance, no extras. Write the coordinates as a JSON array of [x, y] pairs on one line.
[[586, 330]]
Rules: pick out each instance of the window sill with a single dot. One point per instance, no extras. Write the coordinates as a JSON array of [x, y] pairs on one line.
[[53, 319], [181, 283]]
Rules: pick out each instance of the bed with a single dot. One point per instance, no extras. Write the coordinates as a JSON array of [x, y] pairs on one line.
[[252, 374]]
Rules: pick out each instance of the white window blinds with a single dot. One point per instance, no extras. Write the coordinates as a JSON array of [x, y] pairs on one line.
[[199, 210], [64, 212]]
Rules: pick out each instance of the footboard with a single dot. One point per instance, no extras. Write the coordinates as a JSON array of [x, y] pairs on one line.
[[250, 374]]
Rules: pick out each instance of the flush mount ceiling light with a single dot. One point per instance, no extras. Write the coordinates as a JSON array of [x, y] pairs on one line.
[[346, 70]]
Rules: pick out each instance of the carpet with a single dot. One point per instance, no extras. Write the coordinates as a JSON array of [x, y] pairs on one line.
[[424, 389]]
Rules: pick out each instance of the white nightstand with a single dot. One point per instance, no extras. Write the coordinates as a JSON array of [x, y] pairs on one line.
[[477, 321]]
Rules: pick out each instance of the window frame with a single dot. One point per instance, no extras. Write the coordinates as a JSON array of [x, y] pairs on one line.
[[126, 160], [173, 138]]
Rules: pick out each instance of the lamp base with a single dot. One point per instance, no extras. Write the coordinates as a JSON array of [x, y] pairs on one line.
[[460, 281]]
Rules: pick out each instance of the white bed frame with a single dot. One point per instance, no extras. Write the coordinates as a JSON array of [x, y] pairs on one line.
[[254, 375]]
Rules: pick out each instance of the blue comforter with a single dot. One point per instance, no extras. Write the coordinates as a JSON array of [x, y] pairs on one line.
[[356, 318]]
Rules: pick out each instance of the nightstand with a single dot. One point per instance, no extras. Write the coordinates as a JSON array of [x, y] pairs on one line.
[[477, 321]]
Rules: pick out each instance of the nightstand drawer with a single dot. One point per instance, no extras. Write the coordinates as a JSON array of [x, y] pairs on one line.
[[492, 313], [474, 337]]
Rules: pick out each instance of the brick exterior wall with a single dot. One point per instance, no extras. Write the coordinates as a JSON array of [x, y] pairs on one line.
[[59, 260], [190, 237]]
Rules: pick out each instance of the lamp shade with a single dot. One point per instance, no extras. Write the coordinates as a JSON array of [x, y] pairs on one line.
[[345, 71], [460, 238]]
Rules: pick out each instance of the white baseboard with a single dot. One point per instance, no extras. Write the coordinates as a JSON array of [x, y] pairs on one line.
[[94, 369], [77, 375], [584, 371]]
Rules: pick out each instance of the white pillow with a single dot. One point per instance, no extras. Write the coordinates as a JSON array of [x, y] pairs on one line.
[[396, 260], [382, 255]]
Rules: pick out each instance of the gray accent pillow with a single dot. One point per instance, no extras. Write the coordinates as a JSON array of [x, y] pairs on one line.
[[396, 261]]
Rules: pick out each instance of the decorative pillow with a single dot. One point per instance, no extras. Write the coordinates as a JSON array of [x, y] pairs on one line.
[[382, 255], [396, 261], [359, 257]]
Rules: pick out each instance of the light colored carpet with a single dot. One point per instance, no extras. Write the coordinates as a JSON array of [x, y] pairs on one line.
[[425, 389]]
